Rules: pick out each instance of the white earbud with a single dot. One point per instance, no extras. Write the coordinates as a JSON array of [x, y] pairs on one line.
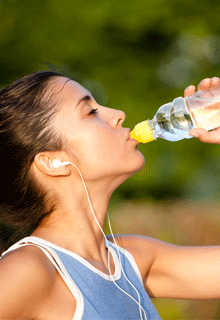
[[57, 163]]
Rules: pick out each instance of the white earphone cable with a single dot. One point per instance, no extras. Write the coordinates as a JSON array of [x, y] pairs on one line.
[[138, 302], [139, 299]]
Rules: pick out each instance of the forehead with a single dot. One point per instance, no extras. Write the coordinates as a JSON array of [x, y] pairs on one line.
[[69, 93], [70, 90]]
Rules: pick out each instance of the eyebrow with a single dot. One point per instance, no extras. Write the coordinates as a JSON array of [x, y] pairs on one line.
[[86, 98]]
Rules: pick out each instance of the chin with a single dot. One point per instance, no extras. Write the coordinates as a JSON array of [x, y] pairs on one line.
[[138, 165], [140, 162]]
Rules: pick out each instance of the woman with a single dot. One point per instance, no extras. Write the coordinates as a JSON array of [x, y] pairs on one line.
[[57, 136]]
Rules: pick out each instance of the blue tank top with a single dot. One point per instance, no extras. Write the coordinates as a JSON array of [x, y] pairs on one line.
[[97, 296]]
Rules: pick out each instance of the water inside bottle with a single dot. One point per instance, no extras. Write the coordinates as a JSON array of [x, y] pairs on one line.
[[205, 112], [173, 121]]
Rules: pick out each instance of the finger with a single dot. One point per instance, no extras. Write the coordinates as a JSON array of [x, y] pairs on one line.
[[189, 90], [206, 136], [204, 84], [215, 81]]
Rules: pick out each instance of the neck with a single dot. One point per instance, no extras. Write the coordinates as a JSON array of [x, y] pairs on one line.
[[72, 224]]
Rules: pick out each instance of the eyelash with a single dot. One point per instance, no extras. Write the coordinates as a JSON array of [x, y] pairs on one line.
[[93, 111]]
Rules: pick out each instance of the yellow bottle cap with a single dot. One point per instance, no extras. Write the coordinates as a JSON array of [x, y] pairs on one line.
[[142, 132]]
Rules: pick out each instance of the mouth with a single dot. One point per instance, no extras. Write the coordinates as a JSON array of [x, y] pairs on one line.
[[131, 139]]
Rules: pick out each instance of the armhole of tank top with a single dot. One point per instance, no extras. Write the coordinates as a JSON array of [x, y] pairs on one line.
[[130, 259], [55, 260]]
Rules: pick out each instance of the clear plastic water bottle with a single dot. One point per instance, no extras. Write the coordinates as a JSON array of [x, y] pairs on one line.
[[174, 120]]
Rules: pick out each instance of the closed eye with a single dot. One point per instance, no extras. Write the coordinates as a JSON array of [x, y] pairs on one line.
[[93, 111]]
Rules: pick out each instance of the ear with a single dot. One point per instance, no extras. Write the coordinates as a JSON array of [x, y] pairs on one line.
[[44, 163]]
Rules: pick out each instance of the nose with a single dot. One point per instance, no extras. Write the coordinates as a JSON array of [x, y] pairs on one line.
[[117, 118]]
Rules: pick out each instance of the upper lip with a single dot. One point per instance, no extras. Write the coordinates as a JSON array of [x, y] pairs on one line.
[[128, 135]]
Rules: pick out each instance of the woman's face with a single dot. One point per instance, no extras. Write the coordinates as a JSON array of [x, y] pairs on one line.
[[96, 141]]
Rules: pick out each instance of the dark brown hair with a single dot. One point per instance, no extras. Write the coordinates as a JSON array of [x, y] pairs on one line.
[[27, 108]]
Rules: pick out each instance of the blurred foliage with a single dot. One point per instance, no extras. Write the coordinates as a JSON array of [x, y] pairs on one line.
[[134, 56]]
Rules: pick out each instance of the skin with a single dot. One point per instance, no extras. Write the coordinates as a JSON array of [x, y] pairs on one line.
[[167, 270]]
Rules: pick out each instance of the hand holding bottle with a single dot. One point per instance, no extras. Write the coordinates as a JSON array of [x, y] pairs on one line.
[[203, 135]]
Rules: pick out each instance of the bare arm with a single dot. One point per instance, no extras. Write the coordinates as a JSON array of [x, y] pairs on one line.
[[171, 271], [185, 273]]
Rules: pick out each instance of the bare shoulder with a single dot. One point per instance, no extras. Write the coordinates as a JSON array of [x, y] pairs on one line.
[[145, 250], [139, 245], [26, 276], [27, 261]]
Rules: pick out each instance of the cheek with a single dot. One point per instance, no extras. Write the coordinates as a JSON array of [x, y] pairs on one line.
[[102, 154], [112, 160]]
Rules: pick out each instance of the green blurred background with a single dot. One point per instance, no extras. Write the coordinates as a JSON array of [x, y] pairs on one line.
[[135, 56]]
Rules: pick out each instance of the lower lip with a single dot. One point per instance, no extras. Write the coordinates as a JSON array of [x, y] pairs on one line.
[[130, 139]]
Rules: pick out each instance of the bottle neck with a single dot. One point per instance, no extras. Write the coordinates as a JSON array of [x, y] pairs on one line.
[[152, 123]]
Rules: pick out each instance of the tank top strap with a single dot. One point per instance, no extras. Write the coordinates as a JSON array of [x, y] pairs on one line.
[[56, 261], [121, 251]]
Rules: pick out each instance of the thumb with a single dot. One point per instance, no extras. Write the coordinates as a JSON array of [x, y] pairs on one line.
[[206, 136]]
